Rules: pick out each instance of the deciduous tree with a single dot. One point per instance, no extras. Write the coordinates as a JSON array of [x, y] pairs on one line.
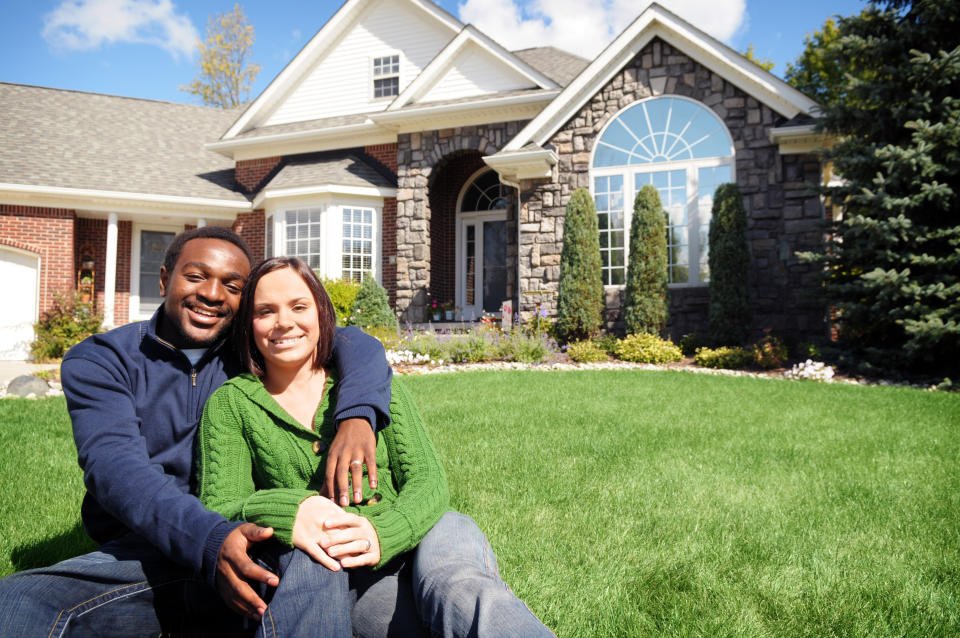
[[225, 73]]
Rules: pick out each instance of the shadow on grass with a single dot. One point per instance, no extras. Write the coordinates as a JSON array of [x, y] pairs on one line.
[[53, 549]]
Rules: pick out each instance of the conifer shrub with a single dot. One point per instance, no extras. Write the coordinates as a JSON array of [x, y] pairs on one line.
[[690, 342], [726, 357], [648, 348], [586, 352], [371, 306], [68, 322], [342, 292], [730, 311], [645, 294], [580, 298]]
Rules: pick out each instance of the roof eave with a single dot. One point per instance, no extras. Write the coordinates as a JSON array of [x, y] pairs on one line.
[[274, 194], [320, 139]]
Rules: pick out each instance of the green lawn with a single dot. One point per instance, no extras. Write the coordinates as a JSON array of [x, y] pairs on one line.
[[642, 503]]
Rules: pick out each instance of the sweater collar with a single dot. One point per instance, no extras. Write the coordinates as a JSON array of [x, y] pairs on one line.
[[252, 387]]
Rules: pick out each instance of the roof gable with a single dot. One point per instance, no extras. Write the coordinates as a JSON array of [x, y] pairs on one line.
[[657, 22], [471, 65], [332, 74]]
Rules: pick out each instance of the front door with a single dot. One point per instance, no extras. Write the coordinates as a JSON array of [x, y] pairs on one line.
[[481, 263]]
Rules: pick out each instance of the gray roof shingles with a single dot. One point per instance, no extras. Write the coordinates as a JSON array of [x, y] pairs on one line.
[[336, 167], [70, 139], [556, 64]]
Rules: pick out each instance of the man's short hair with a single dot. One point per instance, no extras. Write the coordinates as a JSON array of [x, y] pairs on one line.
[[204, 232]]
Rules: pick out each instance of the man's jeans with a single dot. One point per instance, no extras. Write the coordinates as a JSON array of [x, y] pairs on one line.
[[449, 586], [127, 588]]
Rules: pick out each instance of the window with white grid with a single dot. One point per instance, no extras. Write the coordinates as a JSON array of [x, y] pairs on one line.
[[302, 235], [684, 150], [357, 251], [386, 76]]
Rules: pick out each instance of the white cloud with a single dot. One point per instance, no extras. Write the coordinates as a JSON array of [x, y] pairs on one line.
[[585, 27], [88, 24]]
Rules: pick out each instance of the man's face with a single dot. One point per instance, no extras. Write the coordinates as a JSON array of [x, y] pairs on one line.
[[202, 292]]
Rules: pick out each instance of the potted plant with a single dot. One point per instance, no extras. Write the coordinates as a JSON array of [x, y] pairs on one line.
[[448, 311], [435, 310]]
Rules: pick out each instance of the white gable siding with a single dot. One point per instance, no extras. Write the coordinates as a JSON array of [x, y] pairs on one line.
[[342, 83], [475, 72]]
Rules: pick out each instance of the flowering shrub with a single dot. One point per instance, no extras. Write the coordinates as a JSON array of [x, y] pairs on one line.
[[810, 369], [730, 358], [586, 352], [484, 343], [648, 348], [396, 357], [769, 352]]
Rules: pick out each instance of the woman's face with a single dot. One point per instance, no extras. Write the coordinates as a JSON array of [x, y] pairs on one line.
[[286, 326]]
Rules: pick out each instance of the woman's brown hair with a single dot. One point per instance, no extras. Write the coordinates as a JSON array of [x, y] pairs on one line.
[[250, 355]]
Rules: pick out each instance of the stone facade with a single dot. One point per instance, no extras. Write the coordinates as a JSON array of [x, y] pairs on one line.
[[423, 160], [784, 213]]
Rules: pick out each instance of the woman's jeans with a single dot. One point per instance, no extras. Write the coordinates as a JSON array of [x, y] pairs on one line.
[[449, 586]]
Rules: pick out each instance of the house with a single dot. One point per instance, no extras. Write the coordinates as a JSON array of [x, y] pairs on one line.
[[403, 143]]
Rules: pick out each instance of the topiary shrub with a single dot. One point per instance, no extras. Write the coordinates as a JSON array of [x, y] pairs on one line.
[[690, 342], [730, 311], [580, 297], [586, 352], [645, 294], [342, 292], [371, 306], [648, 348], [68, 321], [726, 357]]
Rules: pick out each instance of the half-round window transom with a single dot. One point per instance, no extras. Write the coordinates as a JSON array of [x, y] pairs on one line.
[[662, 130], [484, 193]]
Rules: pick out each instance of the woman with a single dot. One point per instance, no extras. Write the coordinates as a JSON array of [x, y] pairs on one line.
[[262, 442]]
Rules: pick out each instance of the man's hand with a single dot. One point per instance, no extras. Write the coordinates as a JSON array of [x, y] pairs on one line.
[[234, 569], [354, 446]]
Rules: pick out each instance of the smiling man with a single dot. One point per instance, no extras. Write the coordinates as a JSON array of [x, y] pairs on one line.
[[135, 396]]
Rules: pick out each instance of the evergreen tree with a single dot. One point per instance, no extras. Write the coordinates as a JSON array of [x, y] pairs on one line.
[[371, 306], [645, 295], [580, 301], [892, 264], [730, 309]]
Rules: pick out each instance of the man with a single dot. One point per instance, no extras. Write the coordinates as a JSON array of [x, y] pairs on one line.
[[135, 395]]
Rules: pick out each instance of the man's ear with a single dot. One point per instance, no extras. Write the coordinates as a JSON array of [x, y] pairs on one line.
[[164, 277]]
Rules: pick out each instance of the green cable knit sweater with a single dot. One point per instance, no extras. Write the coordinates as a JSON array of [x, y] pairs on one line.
[[257, 463]]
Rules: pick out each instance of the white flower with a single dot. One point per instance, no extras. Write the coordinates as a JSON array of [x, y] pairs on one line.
[[813, 370]]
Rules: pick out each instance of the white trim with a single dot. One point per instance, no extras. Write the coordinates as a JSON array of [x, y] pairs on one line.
[[135, 313], [375, 246], [305, 60], [378, 192], [792, 140], [519, 165], [366, 133], [110, 272], [433, 72], [373, 77], [656, 21], [121, 202]]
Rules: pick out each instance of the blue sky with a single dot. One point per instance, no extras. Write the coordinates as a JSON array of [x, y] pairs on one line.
[[143, 48]]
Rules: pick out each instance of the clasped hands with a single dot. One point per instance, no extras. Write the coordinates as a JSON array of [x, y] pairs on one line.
[[334, 541]]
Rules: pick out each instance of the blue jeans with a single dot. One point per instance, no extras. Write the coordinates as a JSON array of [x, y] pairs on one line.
[[127, 588], [448, 586]]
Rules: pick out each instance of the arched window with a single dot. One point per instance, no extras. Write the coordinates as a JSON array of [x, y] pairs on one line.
[[485, 192], [685, 151]]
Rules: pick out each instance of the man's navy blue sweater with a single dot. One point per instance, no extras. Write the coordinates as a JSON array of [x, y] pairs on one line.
[[135, 402]]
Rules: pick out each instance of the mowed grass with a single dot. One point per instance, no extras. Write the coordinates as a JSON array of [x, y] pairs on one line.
[[644, 503]]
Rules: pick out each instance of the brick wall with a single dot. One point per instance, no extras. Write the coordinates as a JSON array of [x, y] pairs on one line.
[[388, 248], [48, 232], [251, 173], [448, 180], [386, 154], [252, 227]]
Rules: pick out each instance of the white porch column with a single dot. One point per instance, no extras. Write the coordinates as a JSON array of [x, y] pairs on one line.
[[201, 222], [110, 273]]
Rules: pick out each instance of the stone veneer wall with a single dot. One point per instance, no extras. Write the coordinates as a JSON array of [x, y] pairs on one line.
[[418, 154], [784, 214]]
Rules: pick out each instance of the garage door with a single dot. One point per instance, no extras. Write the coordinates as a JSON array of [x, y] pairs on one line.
[[18, 272]]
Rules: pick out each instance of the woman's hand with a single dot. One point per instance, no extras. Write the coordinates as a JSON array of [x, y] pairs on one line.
[[308, 529], [352, 540]]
